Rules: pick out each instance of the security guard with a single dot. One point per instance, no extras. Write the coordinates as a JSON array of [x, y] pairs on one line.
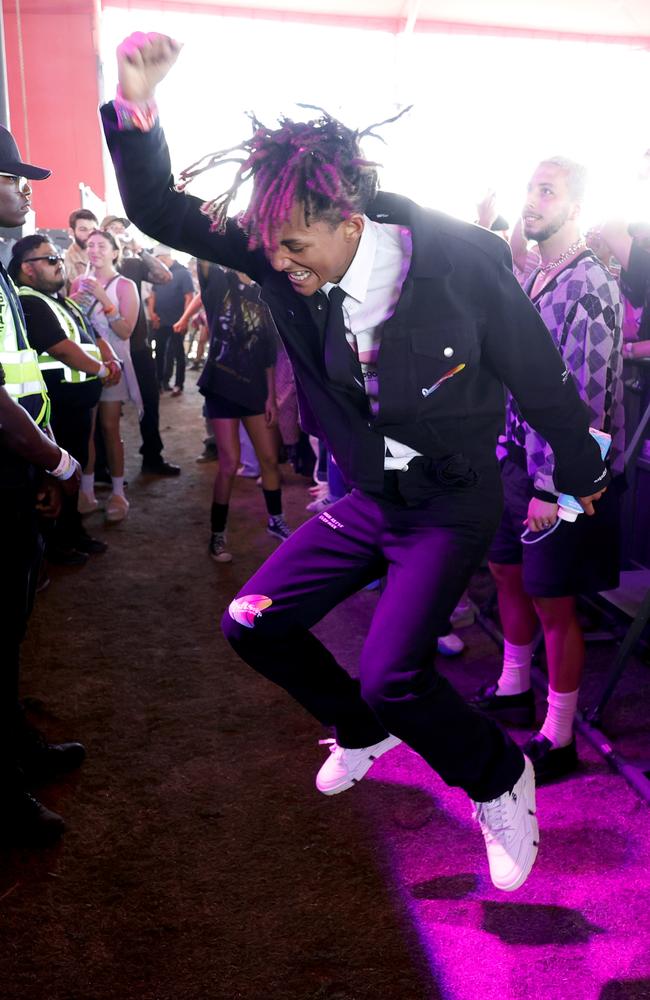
[[73, 361], [33, 473]]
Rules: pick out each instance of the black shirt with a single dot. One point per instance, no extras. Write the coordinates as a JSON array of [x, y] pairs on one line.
[[635, 282], [138, 270], [242, 339]]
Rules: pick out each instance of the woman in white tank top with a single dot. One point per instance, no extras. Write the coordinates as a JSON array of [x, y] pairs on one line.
[[113, 314]]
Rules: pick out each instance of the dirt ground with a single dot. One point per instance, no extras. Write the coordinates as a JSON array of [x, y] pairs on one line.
[[200, 863]]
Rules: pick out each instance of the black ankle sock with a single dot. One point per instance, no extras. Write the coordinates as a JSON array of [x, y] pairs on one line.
[[273, 500], [218, 516]]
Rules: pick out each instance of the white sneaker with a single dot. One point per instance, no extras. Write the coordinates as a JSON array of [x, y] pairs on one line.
[[511, 833], [345, 767], [87, 504], [463, 614], [319, 505], [450, 645], [117, 508]]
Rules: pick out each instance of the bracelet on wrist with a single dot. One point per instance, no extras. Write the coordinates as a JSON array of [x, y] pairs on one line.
[[65, 468], [135, 115], [110, 309], [103, 370]]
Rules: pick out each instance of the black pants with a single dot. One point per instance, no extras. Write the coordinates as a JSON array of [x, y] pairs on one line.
[[72, 410], [175, 352], [429, 553], [161, 336], [21, 557], [145, 371]]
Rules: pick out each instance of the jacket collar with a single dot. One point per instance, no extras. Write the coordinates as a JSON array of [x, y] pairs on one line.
[[429, 258]]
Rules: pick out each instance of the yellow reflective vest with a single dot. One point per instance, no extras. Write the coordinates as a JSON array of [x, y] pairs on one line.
[[23, 379], [70, 330]]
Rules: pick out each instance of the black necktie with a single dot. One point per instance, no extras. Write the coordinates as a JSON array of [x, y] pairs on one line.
[[340, 359]]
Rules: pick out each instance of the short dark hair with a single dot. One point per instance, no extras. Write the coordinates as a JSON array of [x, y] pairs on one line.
[[82, 213], [318, 164], [21, 249]]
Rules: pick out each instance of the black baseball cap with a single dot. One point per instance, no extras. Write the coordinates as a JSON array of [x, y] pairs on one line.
[[11, 163]]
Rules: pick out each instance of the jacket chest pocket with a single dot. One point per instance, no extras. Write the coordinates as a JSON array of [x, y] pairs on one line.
[[441, 355]]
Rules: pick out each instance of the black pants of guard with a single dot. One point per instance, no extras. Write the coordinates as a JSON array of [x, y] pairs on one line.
[[145, 371], [428, 553], [72, 415], [21, 557]]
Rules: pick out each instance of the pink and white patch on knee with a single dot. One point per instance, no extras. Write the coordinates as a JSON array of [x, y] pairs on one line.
[[244, 610]]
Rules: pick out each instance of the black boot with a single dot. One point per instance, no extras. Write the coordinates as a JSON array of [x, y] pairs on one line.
[[41, 761], [24, 821]]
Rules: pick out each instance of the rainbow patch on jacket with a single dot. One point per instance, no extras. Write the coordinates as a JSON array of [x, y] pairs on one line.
[[244, 610], [449, 374]]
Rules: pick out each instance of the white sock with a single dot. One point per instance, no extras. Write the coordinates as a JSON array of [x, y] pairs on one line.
[[558, 724], [118, 485], [88, 484], [515, 673]]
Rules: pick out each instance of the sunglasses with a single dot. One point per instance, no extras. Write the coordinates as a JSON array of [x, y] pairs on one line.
[[50, 258], [19, 182]]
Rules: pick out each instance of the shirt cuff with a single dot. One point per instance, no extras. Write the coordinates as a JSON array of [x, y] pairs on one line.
[[138, 116], [544, 495]]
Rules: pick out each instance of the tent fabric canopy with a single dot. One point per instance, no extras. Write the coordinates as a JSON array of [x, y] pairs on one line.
[[597, 20]]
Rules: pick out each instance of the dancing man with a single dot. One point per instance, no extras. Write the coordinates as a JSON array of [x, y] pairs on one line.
[[402, 326]]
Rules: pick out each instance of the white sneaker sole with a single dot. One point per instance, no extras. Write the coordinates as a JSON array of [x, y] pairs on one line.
[[534, 844], [363, 766]]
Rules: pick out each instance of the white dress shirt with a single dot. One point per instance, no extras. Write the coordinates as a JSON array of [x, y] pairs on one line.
[[372, 285]]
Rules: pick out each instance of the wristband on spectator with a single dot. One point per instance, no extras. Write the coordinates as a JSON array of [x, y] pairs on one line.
[[110, 309], [132, 115], [66, 467], [103, 370]]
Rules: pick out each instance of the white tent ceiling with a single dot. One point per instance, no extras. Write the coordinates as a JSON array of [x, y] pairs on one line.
[[621, 18]]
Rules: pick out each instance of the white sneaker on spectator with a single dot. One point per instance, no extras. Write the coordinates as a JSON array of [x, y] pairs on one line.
[[450, 645], [463, 614], [511, 832], [316, 506], [345, 767], [87, 504], [117, 508]]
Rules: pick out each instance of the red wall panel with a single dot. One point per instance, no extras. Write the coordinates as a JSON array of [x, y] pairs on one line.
[[53, 98]]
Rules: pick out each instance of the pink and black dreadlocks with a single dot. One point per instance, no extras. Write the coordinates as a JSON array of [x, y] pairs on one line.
[[318, 164]]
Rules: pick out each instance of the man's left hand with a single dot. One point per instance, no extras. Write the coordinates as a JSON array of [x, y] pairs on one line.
[[541, 515]]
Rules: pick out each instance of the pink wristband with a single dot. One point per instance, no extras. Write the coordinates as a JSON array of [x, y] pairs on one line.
[[133, 115]]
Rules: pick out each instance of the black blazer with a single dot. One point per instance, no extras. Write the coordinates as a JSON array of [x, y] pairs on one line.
[[460, 303]]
